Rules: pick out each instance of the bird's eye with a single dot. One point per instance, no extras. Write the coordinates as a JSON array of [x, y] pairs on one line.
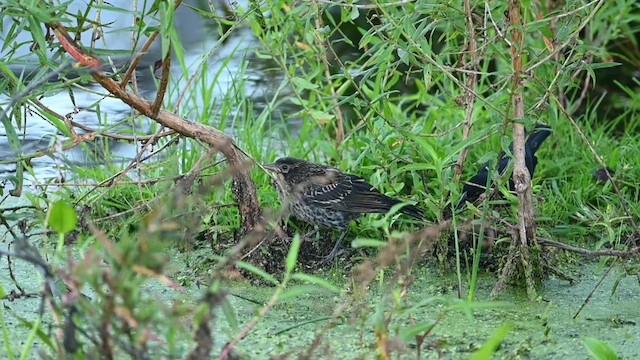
[[284, 168]]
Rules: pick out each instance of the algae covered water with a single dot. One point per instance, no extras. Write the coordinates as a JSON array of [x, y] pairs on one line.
[[542, 329]]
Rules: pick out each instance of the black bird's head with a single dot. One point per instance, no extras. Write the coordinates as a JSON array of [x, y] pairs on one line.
[[288, 169], [539, 134], [284, 165]]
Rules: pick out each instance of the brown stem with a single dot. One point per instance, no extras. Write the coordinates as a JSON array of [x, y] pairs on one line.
[[164, 82], [525, 234], [244, 189], [472, 86]]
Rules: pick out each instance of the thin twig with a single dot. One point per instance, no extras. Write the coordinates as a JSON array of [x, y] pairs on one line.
[[349, 4], [593, 291], [164, 82], [635, 251]]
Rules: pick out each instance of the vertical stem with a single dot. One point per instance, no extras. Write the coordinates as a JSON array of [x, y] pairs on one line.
[[521, 176], [471, 90], [472, 86]]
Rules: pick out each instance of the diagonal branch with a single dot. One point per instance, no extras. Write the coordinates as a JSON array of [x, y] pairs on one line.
[[244, 189]]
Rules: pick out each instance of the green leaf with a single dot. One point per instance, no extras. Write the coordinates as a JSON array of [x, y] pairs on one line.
[[257, 271], [362, 242], [404, 56], [19, 179], [296, 101], [413, 167], [230, 314], [292, 256], [35, 28], [316, 281], [321, 116], [355, 13], [489, 348], [36, 330], [12, 135], [303, 84], [410, 333], [604, 65], [59, 124], [295, 291], [62, 218], [599, 349]]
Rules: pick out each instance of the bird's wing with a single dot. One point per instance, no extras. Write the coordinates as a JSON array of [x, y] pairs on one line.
[[328, 189], [364, 198], [346, 193]]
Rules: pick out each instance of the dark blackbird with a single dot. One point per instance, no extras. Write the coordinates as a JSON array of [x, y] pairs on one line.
[[324, 196], [476, 186], [602, 176]]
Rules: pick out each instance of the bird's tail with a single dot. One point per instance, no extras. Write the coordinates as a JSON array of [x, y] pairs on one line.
[[414, 212]]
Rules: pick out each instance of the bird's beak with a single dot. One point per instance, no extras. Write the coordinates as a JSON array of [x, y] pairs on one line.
[[271, 167]]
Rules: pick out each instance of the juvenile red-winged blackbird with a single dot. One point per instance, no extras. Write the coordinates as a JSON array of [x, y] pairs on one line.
[[476, 186], [324, 196]]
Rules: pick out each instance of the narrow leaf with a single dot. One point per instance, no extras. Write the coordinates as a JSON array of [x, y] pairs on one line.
[[362, 242], [410, 333], [230, 314], [599, 349], [489, 348], [316, 281], [292, 257], [303, 84], [257, 271]]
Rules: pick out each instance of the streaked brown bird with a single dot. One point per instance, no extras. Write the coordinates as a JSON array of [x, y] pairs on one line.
[[326, 197]]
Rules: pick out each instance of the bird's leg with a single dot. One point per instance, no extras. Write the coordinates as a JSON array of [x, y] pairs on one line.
[[309, 236], [336, 248]]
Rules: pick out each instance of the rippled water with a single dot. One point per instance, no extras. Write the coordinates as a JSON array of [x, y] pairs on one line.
[[199, 36]]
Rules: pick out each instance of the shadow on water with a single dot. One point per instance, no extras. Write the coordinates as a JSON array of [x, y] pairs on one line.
[[92, 108]]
